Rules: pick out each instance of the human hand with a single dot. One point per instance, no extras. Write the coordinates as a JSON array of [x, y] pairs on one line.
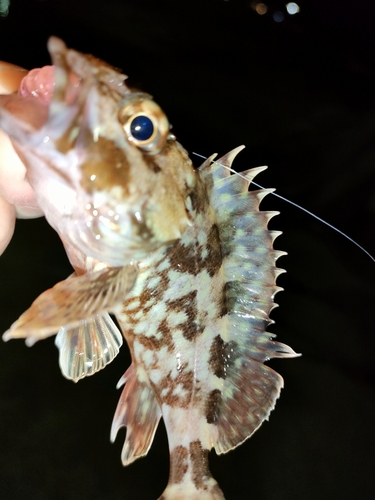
[[17, 198]]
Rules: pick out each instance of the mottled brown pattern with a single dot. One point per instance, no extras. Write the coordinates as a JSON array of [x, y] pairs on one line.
[[223, 356], [217, 361], [148, 296], [151, 162], [222, 303], [214, 260], [176, 202], [188, 258], [212, 406], [232, 291], [199, 199], [191, 327], [179, 464], [152, 343], [108, 163], [199, 463], [185, 381], [227, 237], [183, 258], [164, 281], [142, 229]]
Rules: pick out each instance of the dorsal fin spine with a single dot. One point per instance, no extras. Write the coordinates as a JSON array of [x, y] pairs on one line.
[[250, 388]]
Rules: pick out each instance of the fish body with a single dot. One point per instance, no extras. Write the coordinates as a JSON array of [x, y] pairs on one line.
[[181, 256]]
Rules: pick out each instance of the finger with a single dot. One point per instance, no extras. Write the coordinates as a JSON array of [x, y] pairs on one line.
[[10, 77], [7, 223], [13, 185]]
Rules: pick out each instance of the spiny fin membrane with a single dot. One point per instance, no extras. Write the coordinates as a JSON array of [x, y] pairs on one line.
[[249, 389], [140, 412], [88, 347], [71, 301]]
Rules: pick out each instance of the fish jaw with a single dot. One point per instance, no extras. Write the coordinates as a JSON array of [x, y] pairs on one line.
[[114, 195]]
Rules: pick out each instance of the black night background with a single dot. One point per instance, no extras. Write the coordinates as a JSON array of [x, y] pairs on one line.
[[299, 91]]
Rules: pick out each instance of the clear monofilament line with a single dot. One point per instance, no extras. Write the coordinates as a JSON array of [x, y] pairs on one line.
[[295, 205]]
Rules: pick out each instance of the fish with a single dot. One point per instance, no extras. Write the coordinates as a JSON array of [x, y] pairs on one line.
[[181, 256]]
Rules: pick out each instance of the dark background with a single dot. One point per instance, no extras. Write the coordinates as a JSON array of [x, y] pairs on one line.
[[300, 95]]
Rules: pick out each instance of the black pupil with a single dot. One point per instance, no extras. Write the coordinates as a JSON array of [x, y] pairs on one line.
[[142, 128]]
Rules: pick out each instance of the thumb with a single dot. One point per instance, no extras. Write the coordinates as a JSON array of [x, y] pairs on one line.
[[10, 77]]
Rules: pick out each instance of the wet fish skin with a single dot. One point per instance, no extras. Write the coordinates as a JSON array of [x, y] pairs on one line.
[[107, 197], [188, 268]]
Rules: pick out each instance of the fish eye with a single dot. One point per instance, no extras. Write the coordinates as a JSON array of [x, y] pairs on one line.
[[145, 125], [142, 128]]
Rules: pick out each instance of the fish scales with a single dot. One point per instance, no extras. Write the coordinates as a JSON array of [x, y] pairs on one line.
[[182, 257]]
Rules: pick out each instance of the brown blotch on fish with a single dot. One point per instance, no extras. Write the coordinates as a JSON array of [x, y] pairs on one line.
[[142, 229], [222, 302], [179, 390], [187, 304], [183, 258], [151, 162], [107, 167], [217, 361], [227, 237], [212, 406], [179, 464], [148, 296], [214, 259], [199, 199], [155, 344], [199, 462], [232, 292]]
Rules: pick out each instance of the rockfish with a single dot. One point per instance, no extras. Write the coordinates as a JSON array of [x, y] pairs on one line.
[[181, 256]]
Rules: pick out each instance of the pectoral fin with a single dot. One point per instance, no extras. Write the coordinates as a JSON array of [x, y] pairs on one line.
[[71, 301]]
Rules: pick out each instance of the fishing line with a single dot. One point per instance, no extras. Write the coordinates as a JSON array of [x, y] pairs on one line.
[[295, 205]]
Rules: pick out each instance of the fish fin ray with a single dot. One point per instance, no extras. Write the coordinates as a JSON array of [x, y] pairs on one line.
[[71, 301], [249, 396], [140, 412], [88, 347], [249, 389]]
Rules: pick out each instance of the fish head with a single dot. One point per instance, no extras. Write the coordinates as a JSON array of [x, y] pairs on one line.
[[108, 174]]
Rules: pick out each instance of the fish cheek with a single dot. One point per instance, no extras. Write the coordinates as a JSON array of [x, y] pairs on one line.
[[107, 166]]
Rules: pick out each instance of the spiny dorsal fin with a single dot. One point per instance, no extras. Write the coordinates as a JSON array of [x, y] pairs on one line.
[[250, 388]]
